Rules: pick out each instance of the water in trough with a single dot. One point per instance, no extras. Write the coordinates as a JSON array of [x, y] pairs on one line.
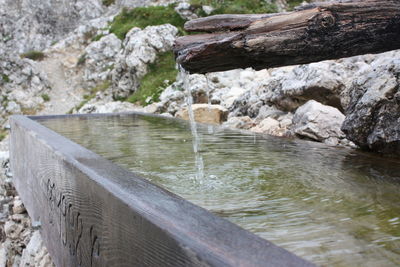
[[332, 206]]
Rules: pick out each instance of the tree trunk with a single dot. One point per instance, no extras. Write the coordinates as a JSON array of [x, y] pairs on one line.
[[317, 32]]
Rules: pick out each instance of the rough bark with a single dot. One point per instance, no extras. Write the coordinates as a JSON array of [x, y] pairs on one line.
[[318, 32]]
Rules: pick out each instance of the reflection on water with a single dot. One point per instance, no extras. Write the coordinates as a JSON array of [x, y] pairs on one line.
[[334, 207]]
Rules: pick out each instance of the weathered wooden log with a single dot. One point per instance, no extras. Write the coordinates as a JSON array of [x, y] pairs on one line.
[[318, 32]]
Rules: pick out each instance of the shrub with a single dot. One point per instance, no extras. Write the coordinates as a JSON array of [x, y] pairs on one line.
[[5, 78], [34, 55], [101, 87], [3, 134], [234, 6], [108, 2], [145, 16], [293, 3], [45, 97], [153, 83], [82, 59], [97, 37]]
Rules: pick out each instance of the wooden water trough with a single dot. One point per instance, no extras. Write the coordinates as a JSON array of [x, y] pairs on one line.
[[95, 213]]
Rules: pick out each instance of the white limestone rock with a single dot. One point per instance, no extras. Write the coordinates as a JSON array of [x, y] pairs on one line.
[[109, 107], [35, 253], [185, 10], [35, 24], [140, 48], [318, 122], [100, 58], [270, 126], [239, 122]]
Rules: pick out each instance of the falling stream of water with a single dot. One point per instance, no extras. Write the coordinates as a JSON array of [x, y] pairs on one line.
[[210, 128], [193, 127]]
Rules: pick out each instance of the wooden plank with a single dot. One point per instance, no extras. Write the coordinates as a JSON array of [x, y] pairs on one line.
[[321, 31], [94, 213]]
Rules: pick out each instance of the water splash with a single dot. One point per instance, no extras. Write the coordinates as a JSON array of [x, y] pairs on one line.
[[193, 127], [210, 127]]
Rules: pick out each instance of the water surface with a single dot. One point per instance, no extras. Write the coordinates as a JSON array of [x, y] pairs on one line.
[[332, 206]]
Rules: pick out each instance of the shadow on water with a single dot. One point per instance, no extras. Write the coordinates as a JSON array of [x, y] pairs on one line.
[[332, 206]]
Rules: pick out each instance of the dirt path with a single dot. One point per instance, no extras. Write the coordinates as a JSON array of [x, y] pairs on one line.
[[65, 82]]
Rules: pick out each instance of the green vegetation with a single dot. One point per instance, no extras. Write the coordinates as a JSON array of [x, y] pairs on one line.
[[97, 37], [3, 134], [45, 97], [5, 78], [31, 111], [108, 2], [82, 59], [293, 3], [99, 88], [34, 55], [145, 16], [234, 6], [161, 74]]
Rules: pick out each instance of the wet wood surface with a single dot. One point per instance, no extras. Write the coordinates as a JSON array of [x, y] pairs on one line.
[[318, 32]]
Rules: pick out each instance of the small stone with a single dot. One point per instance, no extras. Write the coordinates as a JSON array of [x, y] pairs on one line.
[[13, 108], [184, 9], [166, 114], [269, 126], [36, 253], [18, 207], [244, 122], [203, 113], [208, 9], [3, 255], [285, 123], [152, 108], [12, 229], [331, 141]]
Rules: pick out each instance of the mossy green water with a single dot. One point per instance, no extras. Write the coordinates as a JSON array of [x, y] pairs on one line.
[[332, 206]]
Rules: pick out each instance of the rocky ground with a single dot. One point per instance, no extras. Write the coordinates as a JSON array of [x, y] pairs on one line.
[[353, 102]]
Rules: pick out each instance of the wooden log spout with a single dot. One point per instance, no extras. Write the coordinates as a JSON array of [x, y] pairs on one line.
[[316, 32]]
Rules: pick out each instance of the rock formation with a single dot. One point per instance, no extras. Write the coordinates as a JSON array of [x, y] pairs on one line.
[[373, 114]]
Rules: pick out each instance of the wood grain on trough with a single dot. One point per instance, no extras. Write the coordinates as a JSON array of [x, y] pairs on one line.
[[318, 32], [95, 213]]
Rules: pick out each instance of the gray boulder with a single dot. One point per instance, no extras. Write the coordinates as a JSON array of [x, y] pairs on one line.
[[140, 48], [318, 122], [35, 24], [290, 87], [35, 253], [100, 58], [373, 116], [21, 85]]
